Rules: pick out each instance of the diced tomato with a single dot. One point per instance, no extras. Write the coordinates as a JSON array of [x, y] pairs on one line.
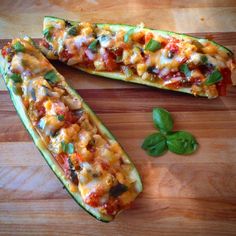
[[4, 52], [112, 207], [118, 51], [94, 198], [222, 85], [44, 43], [110, 61], [79, 157], [65, 55], [105, 166], [148, 36], [172, 45], [226, 74], [40, 108], [69, 118], [61, 158]]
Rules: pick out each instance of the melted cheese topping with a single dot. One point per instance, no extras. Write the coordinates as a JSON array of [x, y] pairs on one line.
[[96, 166], [113, 51]]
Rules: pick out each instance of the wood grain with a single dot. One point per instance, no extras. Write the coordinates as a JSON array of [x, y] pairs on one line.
[[183, 195]]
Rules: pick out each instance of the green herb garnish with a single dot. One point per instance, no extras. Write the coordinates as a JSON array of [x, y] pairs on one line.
[[155, 144], [51, 77], [67, 147], [60, 117], [214, 77], [179, 142], [128, 35], [48, 33], [19, 47], [204, 59], [184, 69], [153, 45], [93, 46], [16, 78], [162, 119]]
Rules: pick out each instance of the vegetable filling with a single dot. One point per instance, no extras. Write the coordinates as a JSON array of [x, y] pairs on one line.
[[96, 166]]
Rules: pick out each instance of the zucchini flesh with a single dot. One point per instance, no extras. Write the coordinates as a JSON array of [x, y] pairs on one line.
[[159, 68], [9, 66]]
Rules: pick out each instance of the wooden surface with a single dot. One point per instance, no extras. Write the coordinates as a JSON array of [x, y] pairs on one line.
[[183, 195]]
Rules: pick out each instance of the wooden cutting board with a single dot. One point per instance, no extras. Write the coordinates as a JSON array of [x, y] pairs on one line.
[[183, 195]]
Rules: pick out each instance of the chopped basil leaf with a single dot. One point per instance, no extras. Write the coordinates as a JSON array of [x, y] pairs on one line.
[[19, 47], [118, 189], [73, 30], [181, 142], [51, 76], [67, 147], [214, 77], [128, 34], [153, 45], [16, 78], [60, 117], [155, 144], [47, 33], [162, 119], [184, 69], [204, 59], [93, 46]]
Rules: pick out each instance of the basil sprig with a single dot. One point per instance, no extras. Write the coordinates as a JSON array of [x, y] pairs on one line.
[[179, 142]]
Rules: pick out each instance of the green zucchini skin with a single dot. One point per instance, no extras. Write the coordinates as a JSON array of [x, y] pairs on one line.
[[54, 166], [119, 75]]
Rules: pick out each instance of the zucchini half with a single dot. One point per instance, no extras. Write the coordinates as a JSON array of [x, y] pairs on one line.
[[5, 67], [52, 52]]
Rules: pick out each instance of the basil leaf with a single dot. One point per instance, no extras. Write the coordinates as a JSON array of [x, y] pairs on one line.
[[184, 69], [60, 117], [214, 77], [162, 119], [47, 33], [19, 47], [153, 45], [155, 144], [16, 78], [51, 76], [128, 34], [72, 30], [181, 142], [204, 59], [93, 46]]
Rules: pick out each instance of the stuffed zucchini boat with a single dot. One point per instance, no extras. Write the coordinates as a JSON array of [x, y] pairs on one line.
[[80, 150], [140, 55]]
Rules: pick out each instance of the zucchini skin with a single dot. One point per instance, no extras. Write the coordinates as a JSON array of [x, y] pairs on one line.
[[52, 163], [135, 78]]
